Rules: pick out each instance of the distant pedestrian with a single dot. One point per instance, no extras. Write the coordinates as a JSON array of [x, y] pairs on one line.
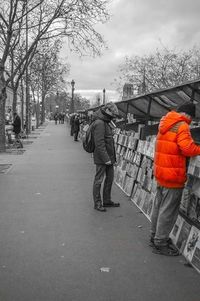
[[56, 117], [16, 125], [76, 127], [174, 145], [72, 117], [104, 156], [62, 117]]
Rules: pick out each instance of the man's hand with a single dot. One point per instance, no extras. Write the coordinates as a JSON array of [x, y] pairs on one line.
[[108, 163]]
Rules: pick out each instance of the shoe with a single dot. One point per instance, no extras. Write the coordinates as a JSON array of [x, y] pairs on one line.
[[165, 250], [112, 204], [151, 242], [100, 208], [169, 244]]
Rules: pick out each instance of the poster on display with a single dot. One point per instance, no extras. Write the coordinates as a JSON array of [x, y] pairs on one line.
[[191, 244]]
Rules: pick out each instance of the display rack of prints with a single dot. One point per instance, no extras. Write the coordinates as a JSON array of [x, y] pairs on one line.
[[190, 201], [134, 175], [126, 170], [180, 233], [145, 190], [192, 248], [186, 231], [194, 166]]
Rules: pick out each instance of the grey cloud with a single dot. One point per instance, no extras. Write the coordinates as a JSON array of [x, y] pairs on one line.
[[135, 28]]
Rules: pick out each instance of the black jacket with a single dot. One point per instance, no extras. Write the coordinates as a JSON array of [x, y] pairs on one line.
[[103, 139], [76, 125], [17, 125]]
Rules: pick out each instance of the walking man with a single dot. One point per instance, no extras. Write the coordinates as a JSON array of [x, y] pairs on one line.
[[173, 145], [104, 156]]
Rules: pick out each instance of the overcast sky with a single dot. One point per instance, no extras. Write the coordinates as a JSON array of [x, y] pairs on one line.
[[137, 27]]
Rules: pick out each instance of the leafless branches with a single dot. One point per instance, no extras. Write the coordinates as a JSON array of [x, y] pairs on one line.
[[162, 69]]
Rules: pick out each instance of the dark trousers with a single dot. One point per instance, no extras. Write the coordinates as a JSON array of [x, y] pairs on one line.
[[76, 135], [72, 130], [107, 172], [164, 214]]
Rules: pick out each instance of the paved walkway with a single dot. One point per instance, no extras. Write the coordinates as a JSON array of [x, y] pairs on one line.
[[53, 244]]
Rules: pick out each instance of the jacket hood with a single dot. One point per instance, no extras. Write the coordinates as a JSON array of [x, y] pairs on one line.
[[101, 115], [170, 119]]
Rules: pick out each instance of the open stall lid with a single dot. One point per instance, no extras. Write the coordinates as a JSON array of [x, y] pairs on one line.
[[156, 104]]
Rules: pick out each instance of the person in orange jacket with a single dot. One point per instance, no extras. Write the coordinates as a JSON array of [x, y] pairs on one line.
[[174, 144]]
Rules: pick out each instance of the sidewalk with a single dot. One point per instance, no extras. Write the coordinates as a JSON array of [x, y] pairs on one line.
[[54, 244]]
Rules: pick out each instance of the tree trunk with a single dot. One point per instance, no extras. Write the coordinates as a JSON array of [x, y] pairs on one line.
[[43, 108], [22, 104], [27, 109], [2, 117], [14, 104], [37, 114], [3, 97]]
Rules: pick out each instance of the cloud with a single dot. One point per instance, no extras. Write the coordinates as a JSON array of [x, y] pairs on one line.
[[136, 27]]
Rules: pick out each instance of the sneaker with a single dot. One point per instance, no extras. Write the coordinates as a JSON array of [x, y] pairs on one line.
[[169, 244], [151, 242], [100, 208], [165, 250], [111, 204]]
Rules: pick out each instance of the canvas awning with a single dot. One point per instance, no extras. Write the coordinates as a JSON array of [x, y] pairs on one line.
[[156, 104]]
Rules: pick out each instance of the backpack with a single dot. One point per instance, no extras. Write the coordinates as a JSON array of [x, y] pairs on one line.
[[88, 140]]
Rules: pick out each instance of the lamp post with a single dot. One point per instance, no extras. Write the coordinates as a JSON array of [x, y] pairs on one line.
[[27, 120], [57, 98], [72, 100], [104, 96]]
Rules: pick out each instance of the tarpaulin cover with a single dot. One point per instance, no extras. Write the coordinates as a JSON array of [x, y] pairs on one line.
[[156, 104]]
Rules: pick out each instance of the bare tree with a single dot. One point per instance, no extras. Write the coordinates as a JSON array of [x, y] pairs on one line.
[[31, 21], [81, 103], [46, 71], [162, 69]]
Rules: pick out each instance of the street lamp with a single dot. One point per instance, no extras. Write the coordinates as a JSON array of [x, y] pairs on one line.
[[104, 98], [57, 98], [72, 101]]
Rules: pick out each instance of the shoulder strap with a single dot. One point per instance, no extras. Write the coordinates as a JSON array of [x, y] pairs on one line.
[[176, 126]]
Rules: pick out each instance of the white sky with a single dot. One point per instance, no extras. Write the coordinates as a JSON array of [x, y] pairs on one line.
[[136, 27]]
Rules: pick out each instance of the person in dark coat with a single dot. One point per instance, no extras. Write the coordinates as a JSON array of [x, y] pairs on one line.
[[72, 117], [63, 118], [56, 117], [76, 127], [16, 125], [104, 156]]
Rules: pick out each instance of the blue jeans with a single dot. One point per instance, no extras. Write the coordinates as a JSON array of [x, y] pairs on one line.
[[102, 171], [164, 214]]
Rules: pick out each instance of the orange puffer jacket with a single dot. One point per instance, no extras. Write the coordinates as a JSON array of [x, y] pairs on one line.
[[173, 145]]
